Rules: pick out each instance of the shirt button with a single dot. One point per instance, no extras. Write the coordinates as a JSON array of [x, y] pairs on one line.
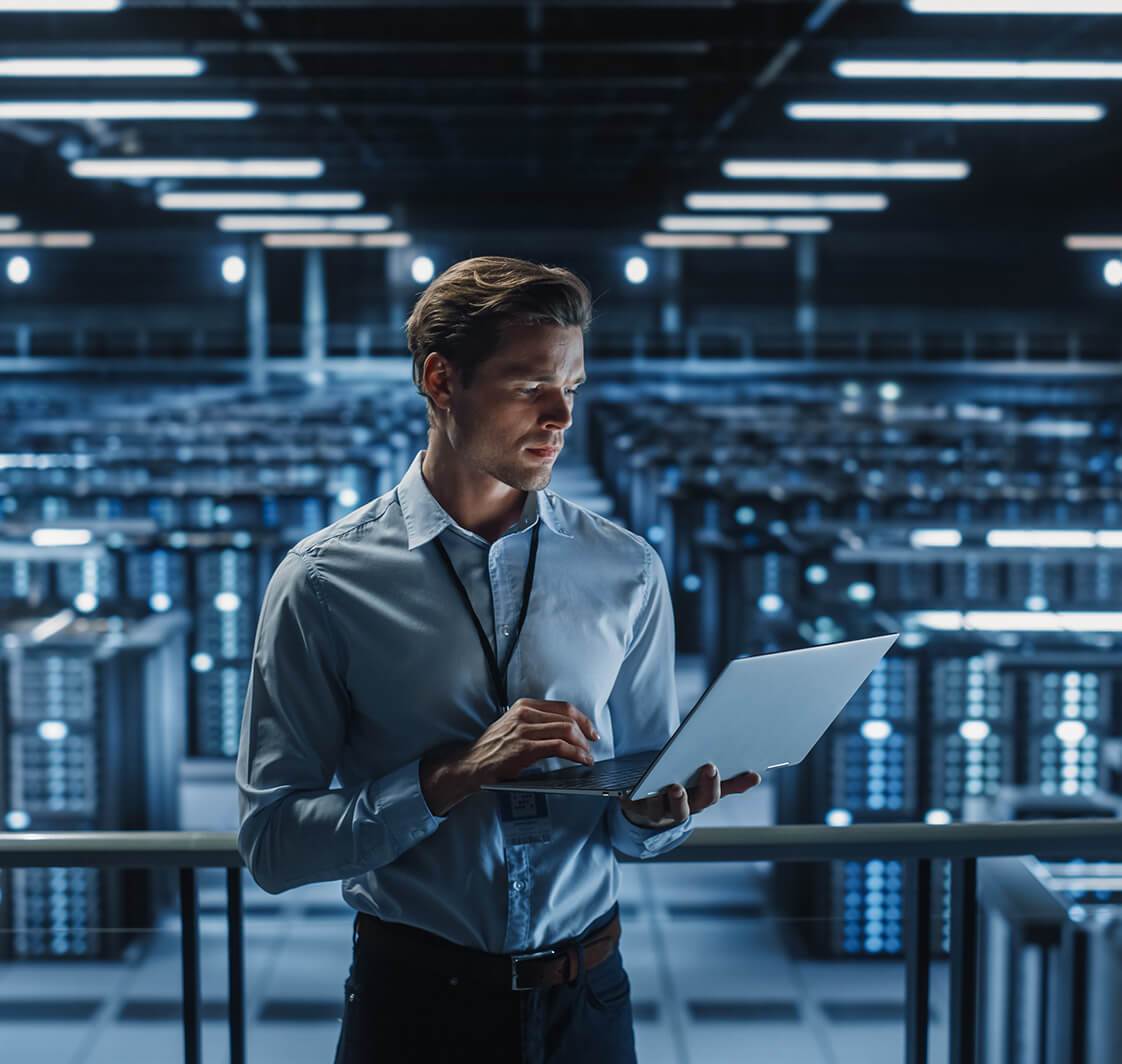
[[506, 629], [517, 884]]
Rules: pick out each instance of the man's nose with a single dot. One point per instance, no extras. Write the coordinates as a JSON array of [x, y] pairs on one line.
[[558, 415]]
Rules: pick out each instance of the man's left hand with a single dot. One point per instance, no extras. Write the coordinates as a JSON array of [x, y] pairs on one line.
[[673, 805]]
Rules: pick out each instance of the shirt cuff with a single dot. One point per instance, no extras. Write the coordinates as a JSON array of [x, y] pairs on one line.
[[635, 841], [397, 803]]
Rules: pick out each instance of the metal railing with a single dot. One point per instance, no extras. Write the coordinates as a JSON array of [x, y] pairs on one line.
[[916, 844]]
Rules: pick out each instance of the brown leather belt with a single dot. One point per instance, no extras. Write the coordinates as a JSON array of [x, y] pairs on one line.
[[519, 971]]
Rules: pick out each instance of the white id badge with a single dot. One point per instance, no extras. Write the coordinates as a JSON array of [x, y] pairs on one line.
[[525, 817]]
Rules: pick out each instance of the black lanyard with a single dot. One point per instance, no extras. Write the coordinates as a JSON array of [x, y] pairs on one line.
[[498, 673]]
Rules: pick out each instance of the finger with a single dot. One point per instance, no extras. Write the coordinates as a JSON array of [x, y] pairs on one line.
[[707, 792], [561, 748], [567, 709], [677, 803], [739, 784], [557, 729]]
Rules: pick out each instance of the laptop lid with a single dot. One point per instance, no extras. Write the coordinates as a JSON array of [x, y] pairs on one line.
[[764, 712]]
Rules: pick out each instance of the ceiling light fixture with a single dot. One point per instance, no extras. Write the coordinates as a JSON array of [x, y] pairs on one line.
[[1093, 242], [988, 68], [60, 5], [750, 201], [9, 221], [715, 241], [845, 169], [262, 223], [151, 67], [337, 240], [946, 112], [111, 110], [138, 169], [1015, 7], [46, 240], [261, 201], [686, 223]]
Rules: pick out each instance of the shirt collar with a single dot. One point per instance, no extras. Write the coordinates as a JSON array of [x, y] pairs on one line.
[[425, 518]]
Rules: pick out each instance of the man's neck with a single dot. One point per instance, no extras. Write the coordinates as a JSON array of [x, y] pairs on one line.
[[474, 500]]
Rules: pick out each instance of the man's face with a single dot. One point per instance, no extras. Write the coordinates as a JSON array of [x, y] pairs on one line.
[[511, 422]]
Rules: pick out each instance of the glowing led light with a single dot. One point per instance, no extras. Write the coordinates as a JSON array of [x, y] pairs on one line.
[[946, 112], [769, 602], [233, 269], [636, 269], [159, 602], [688, 240], [60, 5], [61, 537], [889, 391], [861, 591], [1015, 7], [1047, 538], [839, 818], [53, 731], [691, 582], [1071, 732], [990, 69], [149, 67], [656, 534], [876, 730], [1036, 603], [226, 601], [85, 602], [744, 515], [422, 269], [18, 270], [260, 201], [131, 110], [202, 662], [817, 574], [318, 223], [17, 820], [777, 201], [347, 497], [218, 169], [1112, 273], [223, 515], [936, 537], [743, 223], [937, 816], [845, 170], [974, 731]]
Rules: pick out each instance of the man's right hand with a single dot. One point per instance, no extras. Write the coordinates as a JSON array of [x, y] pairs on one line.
[[530, 731]]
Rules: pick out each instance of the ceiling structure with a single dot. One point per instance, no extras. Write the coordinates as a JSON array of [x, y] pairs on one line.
[[592, 118]]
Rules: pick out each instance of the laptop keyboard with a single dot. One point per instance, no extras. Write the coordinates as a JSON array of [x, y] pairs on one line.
[[616, 773]]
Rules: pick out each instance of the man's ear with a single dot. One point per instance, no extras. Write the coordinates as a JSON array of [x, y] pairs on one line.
[[437, 377]]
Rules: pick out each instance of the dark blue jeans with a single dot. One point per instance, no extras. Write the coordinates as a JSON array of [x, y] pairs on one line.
[[395, 1013]]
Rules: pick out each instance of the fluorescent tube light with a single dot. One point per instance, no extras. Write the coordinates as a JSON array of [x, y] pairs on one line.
[[108, 110], [845, 169], [51, 626], [1093, 242], [1110, 538], [261, 201], [936, 537], [685, 223], [9, 221], [262, 223], [688, 240], [946, 112], [1016, 7], [1016, 69], [137, 169], [764, 240], [46, 240], [1019, 621], [770, 201], [183, 67], [1039, 538], [337, 240], [60, 5], [61, 537]]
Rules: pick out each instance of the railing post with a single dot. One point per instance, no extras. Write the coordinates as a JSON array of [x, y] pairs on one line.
[[189, 944], [235, 938], [964, 960], [918, 975]]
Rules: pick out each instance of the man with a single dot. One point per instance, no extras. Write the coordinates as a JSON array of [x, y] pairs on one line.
[[457, 631]]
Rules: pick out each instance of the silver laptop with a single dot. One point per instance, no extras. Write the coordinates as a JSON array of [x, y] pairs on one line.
[[760, 713]]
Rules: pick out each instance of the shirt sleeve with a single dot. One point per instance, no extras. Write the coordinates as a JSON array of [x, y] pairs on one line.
[[644, 703], [296, 828]]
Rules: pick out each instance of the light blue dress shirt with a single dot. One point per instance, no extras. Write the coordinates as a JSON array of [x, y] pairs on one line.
[[366, 659]]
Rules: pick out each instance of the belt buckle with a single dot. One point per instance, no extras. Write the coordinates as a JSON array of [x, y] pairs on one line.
[[514, 962]]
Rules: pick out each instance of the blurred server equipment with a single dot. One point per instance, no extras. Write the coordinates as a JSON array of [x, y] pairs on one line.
[[93, 728]]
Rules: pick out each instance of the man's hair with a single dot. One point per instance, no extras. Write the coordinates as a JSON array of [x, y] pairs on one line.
[[463, 312]]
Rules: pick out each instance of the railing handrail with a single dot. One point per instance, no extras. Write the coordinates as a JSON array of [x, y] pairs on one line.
[[1054, 840]]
